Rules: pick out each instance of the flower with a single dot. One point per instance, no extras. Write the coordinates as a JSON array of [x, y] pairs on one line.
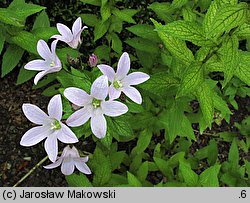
[[121, 82], [94, 106], [72, 38], [68, 160], [51, 127], [93, 59], [50, 64]]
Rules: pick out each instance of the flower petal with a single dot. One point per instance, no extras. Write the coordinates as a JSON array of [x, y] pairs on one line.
[[135, 78], [37, 65], [67, 167], [77, 96], [81, 166], [99, 88], [113, 108], [123, 66], [51, 146], [65, 32], [41, 74], [79, 117], [55, 107], [66, 135], [55, 164], [53, 47], [34, 136], [133, 94], [77, 25], [108, 71], [113, 92], [35, 114], [98, 125], [43, 50]]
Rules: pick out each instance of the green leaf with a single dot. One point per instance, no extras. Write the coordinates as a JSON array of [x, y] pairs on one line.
[[209, 177], [144, 31], [143, 171], [11, 58], [188, 14], [134, 107], [107, 140], [42, 21], [44, 32], [163, 166], [9, 17], [116, 159], [92, 2], [233, 156], [178, 3], [205, 98], [133, 181], [143, 140], [212, 152], [65, 52], [116, 43], [125, 14], [159, 83], [243, 31], [100, 29], [186, 30], [218, 20], [175, 46], [105, 10], [75, 180], [189, 176], [89, 19], [25, 75], [192, 79], [243, 71], [2, 39], [163, 10], [26, 40]]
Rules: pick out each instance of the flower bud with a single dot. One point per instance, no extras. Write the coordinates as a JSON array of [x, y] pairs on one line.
[[93, 59]]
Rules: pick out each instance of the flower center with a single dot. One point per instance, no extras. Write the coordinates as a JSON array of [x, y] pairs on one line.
[[117, 84], [56, 125], [96, 103], [52, 64]]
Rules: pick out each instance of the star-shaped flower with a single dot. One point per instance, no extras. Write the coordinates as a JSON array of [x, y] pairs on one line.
[[50, 64], [51, 127], [70, 159], [72, 38], [121, 81], [94, 106]]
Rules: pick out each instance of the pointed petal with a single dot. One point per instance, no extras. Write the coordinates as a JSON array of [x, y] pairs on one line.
[[108, 71], [77, 25], [66, 135], [41, 74], [113, 108], [51, 147], [35, 114], [123, 66], [99, 88], [37, 65], [98, 126], [81, 166], [43, 50], [79, 117], [55, 107], [59, 37], [53, 47], [65, 32], [34, 136], [77, 96], [55, 164], [113, 92], [135, 78], [67, 167], [133, 94]]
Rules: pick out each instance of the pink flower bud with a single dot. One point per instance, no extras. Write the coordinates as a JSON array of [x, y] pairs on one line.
[[93, 59]]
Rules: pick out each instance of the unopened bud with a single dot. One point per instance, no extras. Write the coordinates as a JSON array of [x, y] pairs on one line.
[[93, 59]]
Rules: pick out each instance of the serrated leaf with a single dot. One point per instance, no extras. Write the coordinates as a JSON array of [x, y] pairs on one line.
[[189, 176], [163, 10], [143, 140], [125, 14], [107, 140], [186, 30], [42, 21], [75, 180], [188, 14], [243, 71], [116, 43], [192, 78], [100, 29], [175, 46], [233, 156], [11, 58], [243, 31], [209, 177], [178, 3], [105, 10], [133, 181]]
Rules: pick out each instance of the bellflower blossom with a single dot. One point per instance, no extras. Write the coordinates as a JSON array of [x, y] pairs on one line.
[[72, 38], [121, 81], [51, 127], [94, 106], [70, 159], [50, 64]]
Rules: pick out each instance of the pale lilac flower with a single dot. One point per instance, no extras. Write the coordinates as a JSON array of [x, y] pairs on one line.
[[94, 106], [50, 127], [72, 38], [70, 159], [50, 64], [121, 81], [93, 60]]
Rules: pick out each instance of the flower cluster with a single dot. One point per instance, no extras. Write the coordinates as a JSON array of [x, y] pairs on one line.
[[94, 106]]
